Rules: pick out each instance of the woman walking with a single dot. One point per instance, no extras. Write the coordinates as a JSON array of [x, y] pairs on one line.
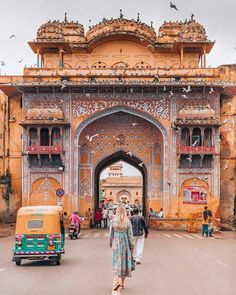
[[121, 237]]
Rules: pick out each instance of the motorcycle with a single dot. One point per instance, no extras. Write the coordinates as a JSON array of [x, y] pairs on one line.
[[73, 233]]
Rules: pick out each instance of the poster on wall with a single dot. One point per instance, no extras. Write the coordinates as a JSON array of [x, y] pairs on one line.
[[195, 195]]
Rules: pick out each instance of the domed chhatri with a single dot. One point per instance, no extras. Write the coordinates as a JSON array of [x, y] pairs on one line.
[[193, 31], [182, 32], [64, 31], [66, 44]]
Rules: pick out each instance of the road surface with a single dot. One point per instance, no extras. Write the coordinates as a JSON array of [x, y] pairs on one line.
[[174, 263]]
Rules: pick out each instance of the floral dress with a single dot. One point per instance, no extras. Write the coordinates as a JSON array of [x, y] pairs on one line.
[[121, 243]]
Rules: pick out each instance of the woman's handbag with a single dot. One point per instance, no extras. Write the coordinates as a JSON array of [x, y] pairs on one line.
[[132, 263]]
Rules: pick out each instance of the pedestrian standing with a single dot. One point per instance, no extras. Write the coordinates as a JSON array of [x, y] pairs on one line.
[[140, 231], [104, 217], [98, 218], [121, 242], [205, 221]]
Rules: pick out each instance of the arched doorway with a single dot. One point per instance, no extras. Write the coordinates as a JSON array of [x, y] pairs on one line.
[[116, 157]]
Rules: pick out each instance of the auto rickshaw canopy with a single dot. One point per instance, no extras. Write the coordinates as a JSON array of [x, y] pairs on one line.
[[39, 220]]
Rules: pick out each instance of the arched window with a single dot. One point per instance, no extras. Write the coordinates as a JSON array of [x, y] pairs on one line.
[[207, 137], [120, 65], [44, 137], [196, 137], [157, 154], [84, 154], [56, 137], [142, 65], [185, 137], [33, 137], [99, 65]]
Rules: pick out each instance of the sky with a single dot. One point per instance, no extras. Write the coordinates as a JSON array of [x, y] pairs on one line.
[[23, 18]]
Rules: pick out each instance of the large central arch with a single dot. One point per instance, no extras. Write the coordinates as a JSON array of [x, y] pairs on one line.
[[113, 158], [119, 153]]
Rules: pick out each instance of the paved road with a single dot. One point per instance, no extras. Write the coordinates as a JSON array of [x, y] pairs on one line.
[[174, 263]]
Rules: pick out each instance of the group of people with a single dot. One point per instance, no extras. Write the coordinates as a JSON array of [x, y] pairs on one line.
[[127, 235], [101, 217], [127, 242]]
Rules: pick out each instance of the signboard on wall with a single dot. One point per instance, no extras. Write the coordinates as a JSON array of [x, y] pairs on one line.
[[195, 195], [60, 201]]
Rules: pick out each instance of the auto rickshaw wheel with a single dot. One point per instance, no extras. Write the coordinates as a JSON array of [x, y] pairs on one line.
[[18, 261], [58, 259]]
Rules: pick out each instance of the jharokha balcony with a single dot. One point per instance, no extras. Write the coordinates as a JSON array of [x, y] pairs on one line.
[[196, 149], [34, 150]]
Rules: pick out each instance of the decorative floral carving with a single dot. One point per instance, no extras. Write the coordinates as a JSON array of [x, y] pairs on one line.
[[157, 108]]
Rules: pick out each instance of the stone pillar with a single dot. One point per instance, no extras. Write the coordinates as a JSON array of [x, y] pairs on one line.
[[204, 56], [227, 160]]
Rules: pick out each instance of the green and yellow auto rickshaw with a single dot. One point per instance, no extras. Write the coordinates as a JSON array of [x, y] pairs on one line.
[[39, 234]]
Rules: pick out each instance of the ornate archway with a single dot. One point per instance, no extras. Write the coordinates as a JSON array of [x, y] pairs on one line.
[[122, 141]]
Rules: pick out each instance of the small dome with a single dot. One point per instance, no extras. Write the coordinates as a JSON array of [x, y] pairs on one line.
[[196, 112], [169, 32], [49, 114], [50, 31], [73, 32], [61, 31], [193, 31]]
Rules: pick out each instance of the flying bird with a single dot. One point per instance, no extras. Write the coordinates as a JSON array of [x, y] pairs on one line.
[[171, 94], [90, 138], [20, 61], [134, 124], [129, 153], [195, 142], [12, 36], [2, 63], [186, 90], [150, 46], [184, 96], [225, 166], [141, 164], [189, 159], [211, 90], [173, 6], [63, 86]]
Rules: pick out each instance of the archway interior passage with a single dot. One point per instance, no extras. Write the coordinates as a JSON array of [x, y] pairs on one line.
[[120, 179], [121, 183]]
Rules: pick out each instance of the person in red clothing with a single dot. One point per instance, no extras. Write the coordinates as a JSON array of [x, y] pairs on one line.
[[98, 218], [76, 220]]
